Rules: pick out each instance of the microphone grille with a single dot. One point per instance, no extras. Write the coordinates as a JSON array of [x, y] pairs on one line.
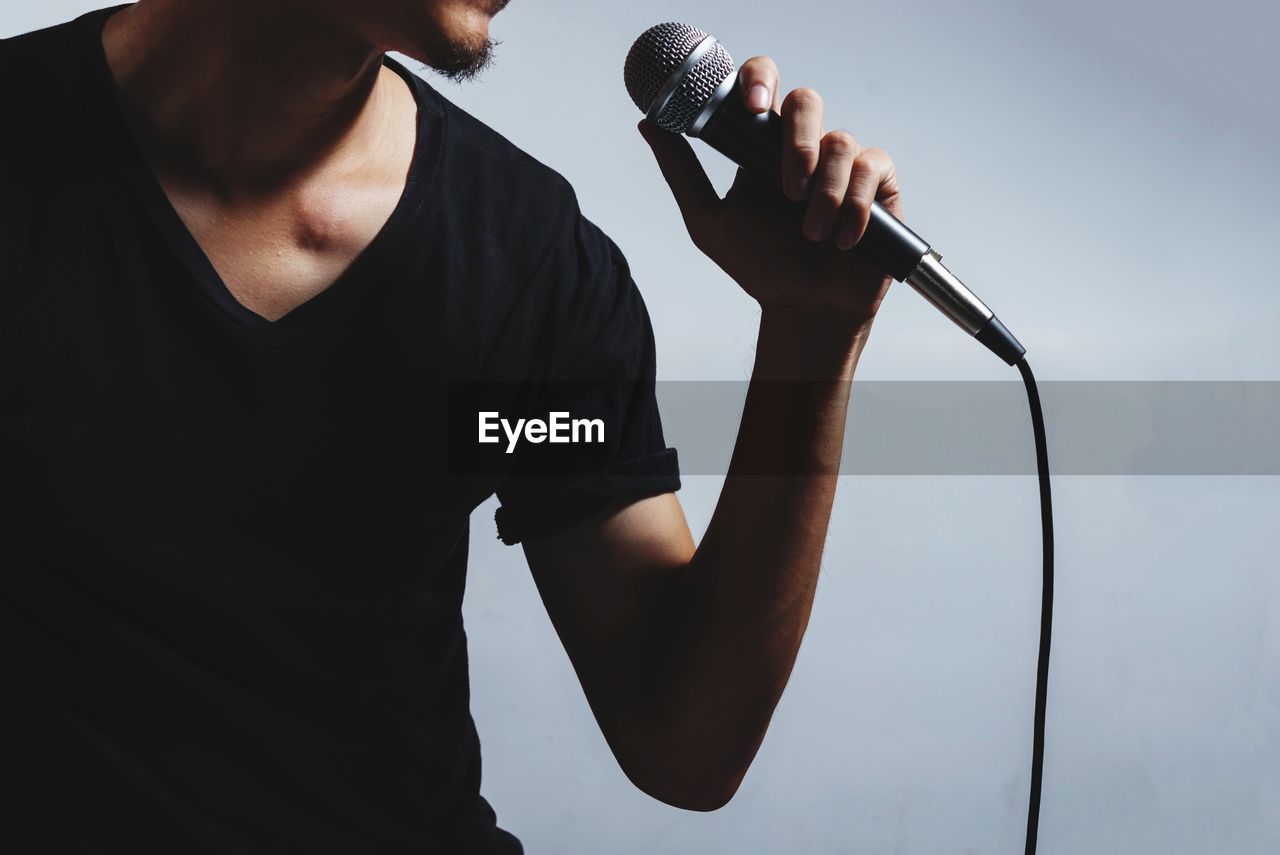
[[658, 54]]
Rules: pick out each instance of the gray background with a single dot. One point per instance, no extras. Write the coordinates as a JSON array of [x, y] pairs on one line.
[[1103, 174]]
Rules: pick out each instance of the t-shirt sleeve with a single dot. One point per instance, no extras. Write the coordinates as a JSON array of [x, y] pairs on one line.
[[604, 382]]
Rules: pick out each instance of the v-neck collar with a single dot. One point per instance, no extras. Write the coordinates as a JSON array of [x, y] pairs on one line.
[[353, 286]]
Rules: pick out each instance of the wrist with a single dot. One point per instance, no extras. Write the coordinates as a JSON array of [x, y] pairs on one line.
[[810, 344]]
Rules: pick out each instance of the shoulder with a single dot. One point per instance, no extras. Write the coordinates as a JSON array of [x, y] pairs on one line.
[[38, 91], [42, 116], [498, 189], [565, 281], [485, 158], [35, 58], [31, 42], [522, 191]]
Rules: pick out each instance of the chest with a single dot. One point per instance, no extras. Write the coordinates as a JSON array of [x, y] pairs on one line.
[[275, 253]]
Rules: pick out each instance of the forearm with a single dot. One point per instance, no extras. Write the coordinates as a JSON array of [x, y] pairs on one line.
[[736, 615], [685, 671]]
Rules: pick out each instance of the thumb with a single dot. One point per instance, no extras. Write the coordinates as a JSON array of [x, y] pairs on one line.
[[693, 191]]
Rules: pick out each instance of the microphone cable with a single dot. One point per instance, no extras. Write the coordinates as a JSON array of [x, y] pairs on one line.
[[1046, 603]]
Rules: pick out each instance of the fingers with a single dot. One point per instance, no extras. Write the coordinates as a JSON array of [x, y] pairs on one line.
[[831, 174], [829, 185], [839, 178], [802, 137], [873, 176], [693, 191], [758, 81], [890, 193]]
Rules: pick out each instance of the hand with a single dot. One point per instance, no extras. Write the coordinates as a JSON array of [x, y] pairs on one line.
[[790, 258]]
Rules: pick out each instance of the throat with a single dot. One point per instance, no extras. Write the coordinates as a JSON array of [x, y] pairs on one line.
[[240, 95]]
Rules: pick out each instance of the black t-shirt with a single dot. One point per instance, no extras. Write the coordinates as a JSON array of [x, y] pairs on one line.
[[232, 551]]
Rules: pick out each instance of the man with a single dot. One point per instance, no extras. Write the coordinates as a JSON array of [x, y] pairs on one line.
[[245, 259]]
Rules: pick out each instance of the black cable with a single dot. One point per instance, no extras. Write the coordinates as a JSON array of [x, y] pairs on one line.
[[1046, 604]]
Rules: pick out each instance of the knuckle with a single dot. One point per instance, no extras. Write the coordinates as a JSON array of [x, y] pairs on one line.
[[864, 169], [889, 186], [698, 235], [830, 197], [805, 151], [877, 160], [877, 154], [840, 144], [759, 66], [804, 98]]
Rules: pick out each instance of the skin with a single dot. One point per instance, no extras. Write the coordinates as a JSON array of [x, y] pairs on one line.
[[284, 145]]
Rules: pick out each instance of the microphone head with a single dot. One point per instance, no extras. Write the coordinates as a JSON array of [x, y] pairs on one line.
[[658, 55]]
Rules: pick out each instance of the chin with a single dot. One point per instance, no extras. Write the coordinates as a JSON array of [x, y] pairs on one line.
[[452, 38]]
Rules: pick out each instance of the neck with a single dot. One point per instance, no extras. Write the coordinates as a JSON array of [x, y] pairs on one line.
[[242, 95]]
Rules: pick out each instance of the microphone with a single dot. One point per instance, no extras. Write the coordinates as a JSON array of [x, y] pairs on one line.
[[685, 82]]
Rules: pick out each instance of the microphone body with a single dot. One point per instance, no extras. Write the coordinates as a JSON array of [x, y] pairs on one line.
[[754, 141]]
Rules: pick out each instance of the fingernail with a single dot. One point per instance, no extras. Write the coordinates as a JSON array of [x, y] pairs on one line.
[[798, 185], [812, 232], [845, 241], [758, 97]]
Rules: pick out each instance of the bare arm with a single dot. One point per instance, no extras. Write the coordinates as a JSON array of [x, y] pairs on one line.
[[683, 652]]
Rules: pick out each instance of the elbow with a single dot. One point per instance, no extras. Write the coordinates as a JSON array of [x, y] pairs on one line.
[[692, 756], [694, 775], [688, 793], [703, 802]]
